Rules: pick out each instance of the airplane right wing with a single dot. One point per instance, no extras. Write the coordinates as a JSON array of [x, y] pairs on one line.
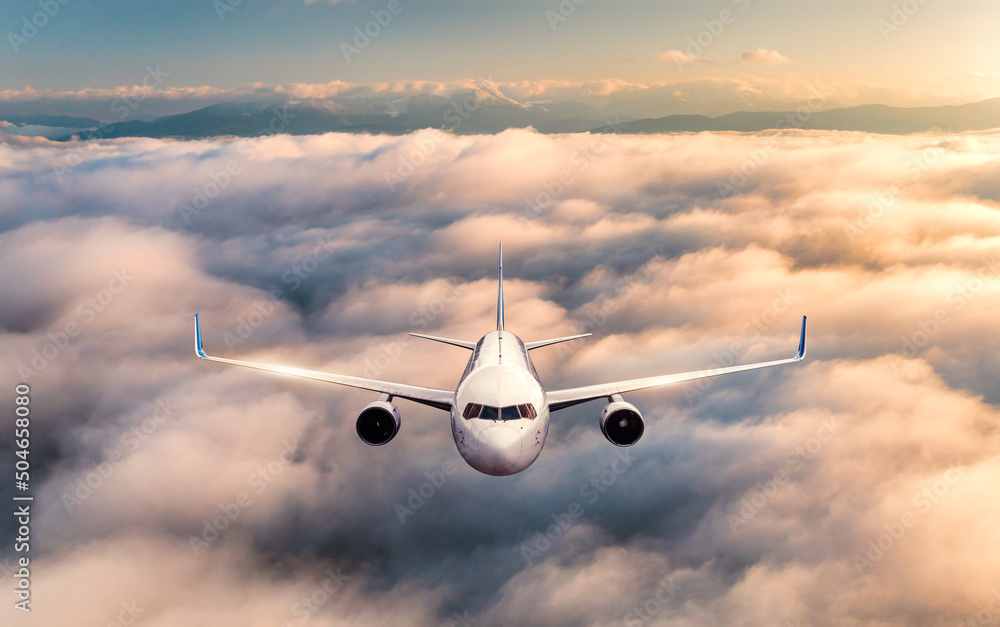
[[441, 399], [560, 399]]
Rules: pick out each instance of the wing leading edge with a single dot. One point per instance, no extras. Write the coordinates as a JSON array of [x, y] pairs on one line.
[[560, 399], [441, 399]]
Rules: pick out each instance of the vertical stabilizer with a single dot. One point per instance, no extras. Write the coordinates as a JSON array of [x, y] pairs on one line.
[[500, 294]]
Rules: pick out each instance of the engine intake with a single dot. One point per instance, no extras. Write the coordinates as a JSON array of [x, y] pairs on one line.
[[378, 423], [621, 423]]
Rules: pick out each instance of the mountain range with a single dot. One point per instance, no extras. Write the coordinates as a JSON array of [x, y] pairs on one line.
[[868, 118], [476, 111], [486, 110]]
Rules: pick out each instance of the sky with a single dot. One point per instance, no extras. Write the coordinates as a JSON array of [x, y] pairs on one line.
[[913, 52]]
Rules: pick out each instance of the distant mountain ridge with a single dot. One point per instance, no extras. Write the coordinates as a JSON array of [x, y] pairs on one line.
[[485, 110], [42, 119], [868, 118], [474, 111]]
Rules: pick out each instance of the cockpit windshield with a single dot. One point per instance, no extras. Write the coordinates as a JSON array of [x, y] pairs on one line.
[[511, 412]]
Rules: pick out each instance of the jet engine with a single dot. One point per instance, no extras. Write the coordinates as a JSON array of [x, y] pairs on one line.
[[378, 423], [621, 423]]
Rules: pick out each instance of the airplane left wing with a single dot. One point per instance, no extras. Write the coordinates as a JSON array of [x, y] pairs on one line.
[[441, 399], [560, 399]]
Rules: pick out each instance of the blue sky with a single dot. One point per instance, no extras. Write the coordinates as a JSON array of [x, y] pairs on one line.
[[102, 44]]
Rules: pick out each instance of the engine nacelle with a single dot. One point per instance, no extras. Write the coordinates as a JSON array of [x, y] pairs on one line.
[[621, 423], [378, 423]]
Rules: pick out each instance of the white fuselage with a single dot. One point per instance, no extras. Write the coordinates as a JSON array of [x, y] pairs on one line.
[[500, 376]]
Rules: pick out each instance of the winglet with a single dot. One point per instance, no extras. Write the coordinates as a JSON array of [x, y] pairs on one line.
[[802, 341], [197, 339], [500, 294]]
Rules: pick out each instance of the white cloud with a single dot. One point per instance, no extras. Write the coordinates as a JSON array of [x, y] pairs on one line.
[[764, 57], [679, 58], [634, 240]]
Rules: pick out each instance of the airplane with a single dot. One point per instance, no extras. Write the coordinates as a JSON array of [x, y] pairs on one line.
[[500, 409]]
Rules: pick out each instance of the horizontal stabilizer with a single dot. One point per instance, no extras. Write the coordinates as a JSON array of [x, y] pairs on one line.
[[533, 345], [444, 340]]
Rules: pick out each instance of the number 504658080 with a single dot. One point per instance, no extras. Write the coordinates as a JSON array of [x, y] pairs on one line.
[[22, 437]]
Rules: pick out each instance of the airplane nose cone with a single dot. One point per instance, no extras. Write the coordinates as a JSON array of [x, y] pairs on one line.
[[499, 446]]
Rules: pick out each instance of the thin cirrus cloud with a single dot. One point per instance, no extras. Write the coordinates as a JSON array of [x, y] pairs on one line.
[[760, 56], [764, 56], [678, 251], [679, 57]]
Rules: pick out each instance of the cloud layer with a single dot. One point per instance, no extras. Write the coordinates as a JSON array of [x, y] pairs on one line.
[[855, 488]]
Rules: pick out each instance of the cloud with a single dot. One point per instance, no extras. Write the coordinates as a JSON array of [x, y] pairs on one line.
[[679, 58], [202, 493], [764, 57]]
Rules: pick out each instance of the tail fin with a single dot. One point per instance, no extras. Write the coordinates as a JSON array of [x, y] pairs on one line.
[[500, 294]]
